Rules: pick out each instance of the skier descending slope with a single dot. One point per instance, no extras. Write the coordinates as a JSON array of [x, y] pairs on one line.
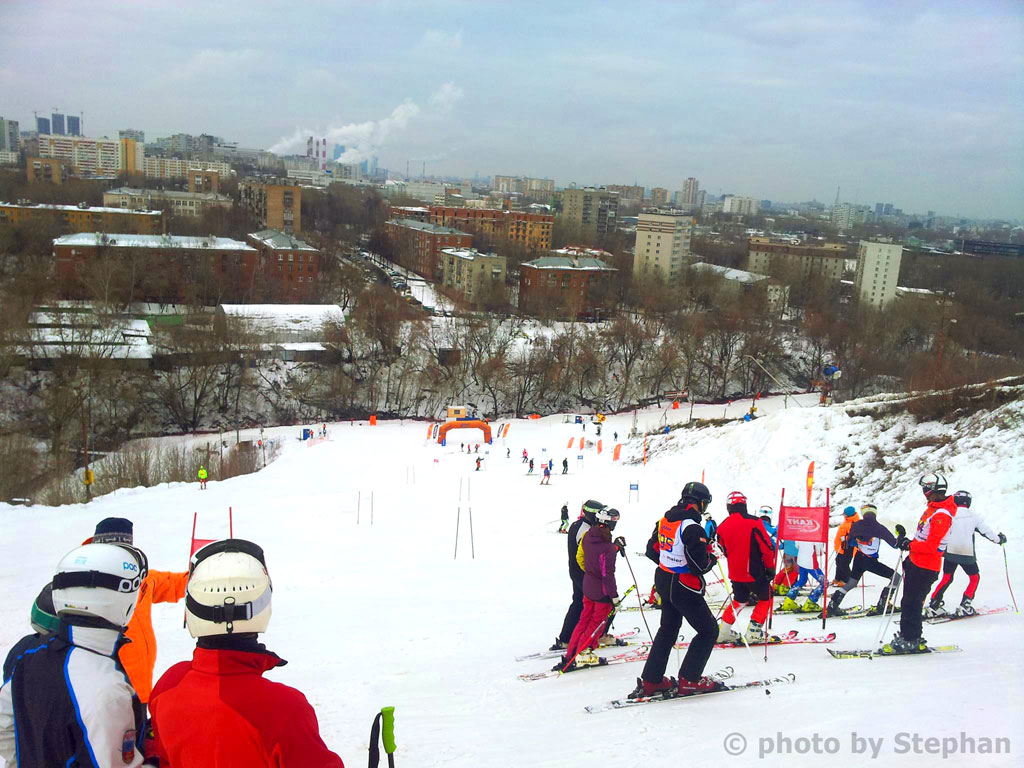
[[217, 709], [921, 567], [751, 557], [960, 553], [866, 537], [599, 590], [683, 554], [67, 700], [576, 533]]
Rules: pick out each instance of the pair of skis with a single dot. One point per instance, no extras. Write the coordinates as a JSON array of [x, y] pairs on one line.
[[623, 638], [720, 677], [947, 617], [879, 653]]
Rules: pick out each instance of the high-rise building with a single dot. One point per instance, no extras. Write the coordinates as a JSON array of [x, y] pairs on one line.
[[85, 155], [42, 125], [659, 197], [826, 259], [339, 150], [593, 211], [690, 188], [10, 136], [632, 192], [132, 133], [878, 269], [57, 124], [275, 203], [74, 125], [662, 243], [742, 205]]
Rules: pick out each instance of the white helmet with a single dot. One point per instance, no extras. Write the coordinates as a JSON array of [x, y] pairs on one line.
[[228, 590], [101, 581]]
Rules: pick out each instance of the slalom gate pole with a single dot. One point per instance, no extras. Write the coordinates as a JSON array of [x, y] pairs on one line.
[[639, 600], [1006, 564], [885, 629], [383, 726], [472, 544], [458, 513]]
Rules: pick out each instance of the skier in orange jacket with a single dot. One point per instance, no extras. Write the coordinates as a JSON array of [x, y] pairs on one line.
[[138, 655]]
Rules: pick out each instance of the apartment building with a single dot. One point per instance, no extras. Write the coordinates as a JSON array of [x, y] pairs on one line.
[[540, 190], [572, 279], [84, 218], [86, 156], [878, 269], [659, 197], [287, 269], [203, 181], [592, 211], [10, 136], [418, 244], [46, 170], [825, 259], [276, 203], [180, 203], [742, 205], [738, 282], [689, 193], [466, 271], [173, 168], [662, 243], [532, 229], [631, 192]]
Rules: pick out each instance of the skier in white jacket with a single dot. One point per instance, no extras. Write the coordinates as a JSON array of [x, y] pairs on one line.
[[960, 552]]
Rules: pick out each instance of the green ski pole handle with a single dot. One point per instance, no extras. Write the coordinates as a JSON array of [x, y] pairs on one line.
[[388, 731]]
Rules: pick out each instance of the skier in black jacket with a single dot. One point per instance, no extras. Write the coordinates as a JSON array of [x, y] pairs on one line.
[[576, 533], [866, 537]]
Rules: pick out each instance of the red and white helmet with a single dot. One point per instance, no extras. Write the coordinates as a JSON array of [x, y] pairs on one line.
[[736, 502]]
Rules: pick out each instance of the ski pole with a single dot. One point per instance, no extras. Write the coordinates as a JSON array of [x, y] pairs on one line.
[[1006, 564], [639, 600], [385, 717], [890, 599], [582, 645]]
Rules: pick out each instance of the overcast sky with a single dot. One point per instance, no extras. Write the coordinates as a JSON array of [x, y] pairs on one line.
[[918, 104]]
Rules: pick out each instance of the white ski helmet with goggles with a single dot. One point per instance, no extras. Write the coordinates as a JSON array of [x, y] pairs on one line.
[[229, 589], [607, 516], [100, 581]]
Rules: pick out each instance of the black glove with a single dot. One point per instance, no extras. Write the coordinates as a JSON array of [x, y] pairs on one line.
[[903, 543], [901, 532], [1002, 538], [620, 542]]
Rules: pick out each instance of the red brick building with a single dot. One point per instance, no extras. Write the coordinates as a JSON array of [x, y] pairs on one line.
[[571, 279], [531, 229], [287, 270], [418, 245]]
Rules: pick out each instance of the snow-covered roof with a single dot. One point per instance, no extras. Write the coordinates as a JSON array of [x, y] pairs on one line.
[[152, 241], [565, 262], [424, 226], [169, 194], [87, 209], [278, 240], [579, 250], [291, 317], [467, 253], [80, 334], [739, 275]]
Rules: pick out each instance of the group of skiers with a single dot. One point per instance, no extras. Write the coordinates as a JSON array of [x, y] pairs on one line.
[[76, 691], [683, 545]]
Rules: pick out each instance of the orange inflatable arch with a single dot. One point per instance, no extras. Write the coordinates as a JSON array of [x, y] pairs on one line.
[[464, 425]]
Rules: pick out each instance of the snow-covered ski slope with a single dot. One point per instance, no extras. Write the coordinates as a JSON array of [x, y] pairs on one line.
[[376, 615]]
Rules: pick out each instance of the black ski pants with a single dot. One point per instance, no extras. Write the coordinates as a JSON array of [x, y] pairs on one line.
[[572, 616], [916, 583], [678, 603], [843, 564], [863, 564]]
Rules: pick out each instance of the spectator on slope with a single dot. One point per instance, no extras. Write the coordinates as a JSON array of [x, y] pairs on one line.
[[577, 531], [66, 700], [960, 554], [565, 466], [597, 553], [546, 480], [564, 525], [138, 655], [921, 567], [844, 546], [202, 475], [43, 620], [865, 538], [807, 561], [217, 709], [683, 555], [751, 558]]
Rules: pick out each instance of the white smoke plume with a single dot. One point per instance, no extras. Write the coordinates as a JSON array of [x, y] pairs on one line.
[[362, 140]]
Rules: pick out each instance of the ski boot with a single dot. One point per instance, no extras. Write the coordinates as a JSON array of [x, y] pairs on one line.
[[665, 688], [590, 659], [789, 605], [966, 607], [726, 634], [559, 645], [881, 609], [703, 685], [755, 633], [781, 590], [934, 609], [833, 606], [610, 640], [901, 645], [810, 606]]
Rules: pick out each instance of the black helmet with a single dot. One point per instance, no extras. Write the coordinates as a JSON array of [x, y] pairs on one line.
[[697, 493], [933, 482], [962, 498], [607, 516], [590, 510]]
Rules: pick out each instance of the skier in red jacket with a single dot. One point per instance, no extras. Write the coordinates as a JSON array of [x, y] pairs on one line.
[[922, 566], [218, 710], [751, 557]]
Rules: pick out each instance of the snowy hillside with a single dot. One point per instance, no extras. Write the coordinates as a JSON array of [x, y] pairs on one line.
[[371, 615]]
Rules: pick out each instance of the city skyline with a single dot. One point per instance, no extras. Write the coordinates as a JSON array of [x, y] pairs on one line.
[[920, 105]]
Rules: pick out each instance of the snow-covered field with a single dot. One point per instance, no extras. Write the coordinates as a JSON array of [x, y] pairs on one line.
[[371, 615]]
